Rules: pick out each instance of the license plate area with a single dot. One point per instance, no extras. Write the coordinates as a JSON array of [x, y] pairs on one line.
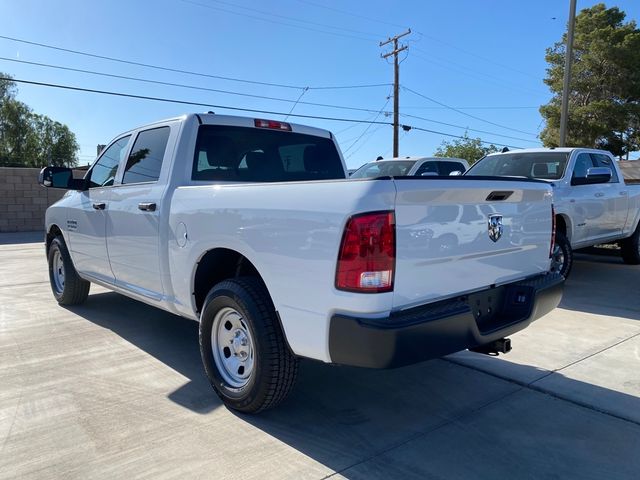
[[499, 307]]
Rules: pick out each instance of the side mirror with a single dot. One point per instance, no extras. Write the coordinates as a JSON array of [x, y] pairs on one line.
[[60, 177], [455, 173], [594, 175]]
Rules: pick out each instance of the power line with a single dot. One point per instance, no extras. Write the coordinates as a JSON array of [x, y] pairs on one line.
[[469, 72], [192, 87], [435, 39], [344, 12], [460, 137], [465, 113], [362, 144], [295, 103], [186, 72], [182, 102], [466, 128], [263, 97], [368, 127], [271, 14], [349, 140], [474, 108], [467, 52], [227, 107], [277, 22]]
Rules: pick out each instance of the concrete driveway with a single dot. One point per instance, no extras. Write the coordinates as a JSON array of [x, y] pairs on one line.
[[115, 389]]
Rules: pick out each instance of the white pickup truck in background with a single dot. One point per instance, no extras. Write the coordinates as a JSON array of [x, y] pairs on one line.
[[593, 205], [250, 227]]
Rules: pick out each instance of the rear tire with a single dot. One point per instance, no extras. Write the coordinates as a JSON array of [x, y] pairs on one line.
[[243, 348], [67, 286], [562, 256], [630, 248]]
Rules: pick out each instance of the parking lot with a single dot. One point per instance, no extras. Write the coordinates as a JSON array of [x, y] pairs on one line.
[[115, 388]]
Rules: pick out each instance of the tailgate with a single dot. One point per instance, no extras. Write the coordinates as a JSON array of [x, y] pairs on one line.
[[457, 235]]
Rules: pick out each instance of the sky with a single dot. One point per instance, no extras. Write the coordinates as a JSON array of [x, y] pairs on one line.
[[476, 65]]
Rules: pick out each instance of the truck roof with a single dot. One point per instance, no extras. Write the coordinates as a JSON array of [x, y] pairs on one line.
[[549, 149], [239, 121], [439, 159]]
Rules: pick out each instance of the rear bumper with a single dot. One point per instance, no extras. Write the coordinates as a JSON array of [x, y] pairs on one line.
[[440, 328]]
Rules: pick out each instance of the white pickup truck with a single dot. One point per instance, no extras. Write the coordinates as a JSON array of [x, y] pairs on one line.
[[593, 205], [250, 227]]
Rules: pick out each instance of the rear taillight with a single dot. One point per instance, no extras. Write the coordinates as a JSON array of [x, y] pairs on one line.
[[367, 257], [553, 230]]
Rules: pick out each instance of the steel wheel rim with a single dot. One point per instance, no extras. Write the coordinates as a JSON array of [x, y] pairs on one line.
[[233, 347], [557, 259], [58, 271]]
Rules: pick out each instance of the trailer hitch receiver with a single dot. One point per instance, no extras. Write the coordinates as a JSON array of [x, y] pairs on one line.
[[502, 345]]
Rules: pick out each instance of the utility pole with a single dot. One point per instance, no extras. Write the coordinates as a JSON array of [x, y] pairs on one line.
[[564, 112], [396, 82]]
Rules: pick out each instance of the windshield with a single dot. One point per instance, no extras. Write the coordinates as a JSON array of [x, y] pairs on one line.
[[542, 165], [388, 168]]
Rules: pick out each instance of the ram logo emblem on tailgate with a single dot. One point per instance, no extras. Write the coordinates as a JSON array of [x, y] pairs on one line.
[[495, 227]]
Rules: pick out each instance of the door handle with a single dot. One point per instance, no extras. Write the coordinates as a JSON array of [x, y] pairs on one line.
[[599, 194], [623, 192], [147, 207], [99, 206]]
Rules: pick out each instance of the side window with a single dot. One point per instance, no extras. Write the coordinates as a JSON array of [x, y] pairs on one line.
[[431, 167], [602, 160], [583, 163], [447, 167], [103, 172], [145, 160]]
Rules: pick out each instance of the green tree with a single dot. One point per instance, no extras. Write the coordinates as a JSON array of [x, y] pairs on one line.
[[604, 108], [470, 149], [28, 139]]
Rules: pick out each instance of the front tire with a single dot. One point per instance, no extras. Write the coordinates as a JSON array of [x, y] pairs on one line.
[[67, 286], [630, 248], [562, 256], [243, 349]]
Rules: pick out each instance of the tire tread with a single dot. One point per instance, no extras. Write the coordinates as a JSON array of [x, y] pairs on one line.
[[76, 289], [281, 366]]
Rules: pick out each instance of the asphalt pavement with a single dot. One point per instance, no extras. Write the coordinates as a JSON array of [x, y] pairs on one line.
[[115, 389]]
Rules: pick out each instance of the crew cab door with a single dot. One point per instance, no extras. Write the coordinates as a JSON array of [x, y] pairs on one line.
[[586, 203], [133, 228], [86, 224], [615, 196]]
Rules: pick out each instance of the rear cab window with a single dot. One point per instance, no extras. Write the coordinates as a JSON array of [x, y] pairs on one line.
[[244, 154]]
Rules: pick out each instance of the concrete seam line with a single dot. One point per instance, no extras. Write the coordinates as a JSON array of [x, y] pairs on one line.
[[589, 356], [23, 284], [423, 433], [539, 389]]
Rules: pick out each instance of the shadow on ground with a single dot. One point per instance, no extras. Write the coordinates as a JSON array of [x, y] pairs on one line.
[[345, 418], [171, 339], [604, 285], [21, 238]]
